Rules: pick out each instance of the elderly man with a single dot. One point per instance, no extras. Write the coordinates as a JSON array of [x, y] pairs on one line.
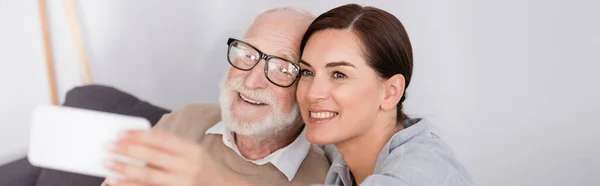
[[255, 137]]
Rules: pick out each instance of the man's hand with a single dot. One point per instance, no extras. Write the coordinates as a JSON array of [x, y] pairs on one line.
[[169, 161]]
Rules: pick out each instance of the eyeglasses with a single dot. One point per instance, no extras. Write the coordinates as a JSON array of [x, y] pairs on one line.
[[278, 71]]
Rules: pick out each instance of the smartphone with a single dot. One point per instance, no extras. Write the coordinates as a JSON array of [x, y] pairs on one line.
[[76, 140]]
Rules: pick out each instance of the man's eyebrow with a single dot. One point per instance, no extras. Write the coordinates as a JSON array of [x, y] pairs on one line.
[[247, 40], [339, 63], [289, 56]]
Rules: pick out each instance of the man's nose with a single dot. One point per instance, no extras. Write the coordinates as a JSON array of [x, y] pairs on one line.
[[256, 78]]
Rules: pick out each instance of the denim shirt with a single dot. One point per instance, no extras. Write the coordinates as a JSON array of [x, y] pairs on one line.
[[413, 156]]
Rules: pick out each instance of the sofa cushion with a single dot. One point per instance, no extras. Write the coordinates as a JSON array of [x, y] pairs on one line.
[[109, 99]]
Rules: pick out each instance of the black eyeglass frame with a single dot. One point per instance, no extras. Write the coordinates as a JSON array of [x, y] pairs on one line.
[[264, 56]]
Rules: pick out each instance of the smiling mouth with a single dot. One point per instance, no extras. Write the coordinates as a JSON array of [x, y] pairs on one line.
[[322, 115], [251, 101]]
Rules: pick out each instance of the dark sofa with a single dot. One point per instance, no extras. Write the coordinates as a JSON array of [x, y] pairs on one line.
[[94, 97]]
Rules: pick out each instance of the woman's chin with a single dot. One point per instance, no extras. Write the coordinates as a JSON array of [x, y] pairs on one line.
[[318, 141], [319, 137]]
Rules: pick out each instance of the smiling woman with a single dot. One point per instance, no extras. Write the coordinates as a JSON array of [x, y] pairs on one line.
[[356, 65]]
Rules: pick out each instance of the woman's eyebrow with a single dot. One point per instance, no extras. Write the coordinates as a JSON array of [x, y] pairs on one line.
[[304, 63], [339, 63], [331, 64]]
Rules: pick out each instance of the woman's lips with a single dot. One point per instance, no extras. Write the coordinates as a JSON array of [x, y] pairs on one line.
[[321, 116]]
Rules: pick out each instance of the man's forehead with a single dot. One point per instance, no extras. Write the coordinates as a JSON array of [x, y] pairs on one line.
[[273, 47]]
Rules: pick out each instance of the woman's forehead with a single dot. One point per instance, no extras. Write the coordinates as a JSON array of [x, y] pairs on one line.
[[332, 46]]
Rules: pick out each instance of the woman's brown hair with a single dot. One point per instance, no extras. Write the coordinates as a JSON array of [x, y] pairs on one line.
[[385, 43]]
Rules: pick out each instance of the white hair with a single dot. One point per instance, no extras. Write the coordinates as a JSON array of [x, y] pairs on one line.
[[299, 11]]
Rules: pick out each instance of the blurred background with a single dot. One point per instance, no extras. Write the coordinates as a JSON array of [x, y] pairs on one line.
[[511, 85]]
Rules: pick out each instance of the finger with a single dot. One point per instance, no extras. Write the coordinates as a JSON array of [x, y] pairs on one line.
[[134, 174], [152, 156], [123, 182], [161, 140]]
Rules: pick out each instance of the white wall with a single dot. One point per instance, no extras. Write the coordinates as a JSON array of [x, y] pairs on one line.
[[532, 115], [509, 84], [23, 78]]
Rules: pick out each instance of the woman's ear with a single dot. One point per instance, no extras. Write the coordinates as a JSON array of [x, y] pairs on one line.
[[394, 89]]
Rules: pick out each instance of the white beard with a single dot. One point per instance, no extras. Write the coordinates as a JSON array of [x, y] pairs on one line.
[[269, 126]]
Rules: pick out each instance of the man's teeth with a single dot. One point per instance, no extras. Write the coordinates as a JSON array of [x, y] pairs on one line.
[[323, 115], [250, 101]]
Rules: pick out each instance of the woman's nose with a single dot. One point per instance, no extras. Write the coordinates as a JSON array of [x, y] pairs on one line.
[[318, 89]]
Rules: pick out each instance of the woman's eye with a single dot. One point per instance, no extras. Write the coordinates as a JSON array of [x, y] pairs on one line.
[[339, 75], [305, 72]]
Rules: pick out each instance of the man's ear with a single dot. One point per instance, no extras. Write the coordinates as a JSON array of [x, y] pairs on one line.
[[394, 90]]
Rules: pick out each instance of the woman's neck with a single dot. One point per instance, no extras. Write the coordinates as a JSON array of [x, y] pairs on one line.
[[361, 152]]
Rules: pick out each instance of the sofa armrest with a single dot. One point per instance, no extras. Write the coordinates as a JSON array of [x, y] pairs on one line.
[[20, 173]]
